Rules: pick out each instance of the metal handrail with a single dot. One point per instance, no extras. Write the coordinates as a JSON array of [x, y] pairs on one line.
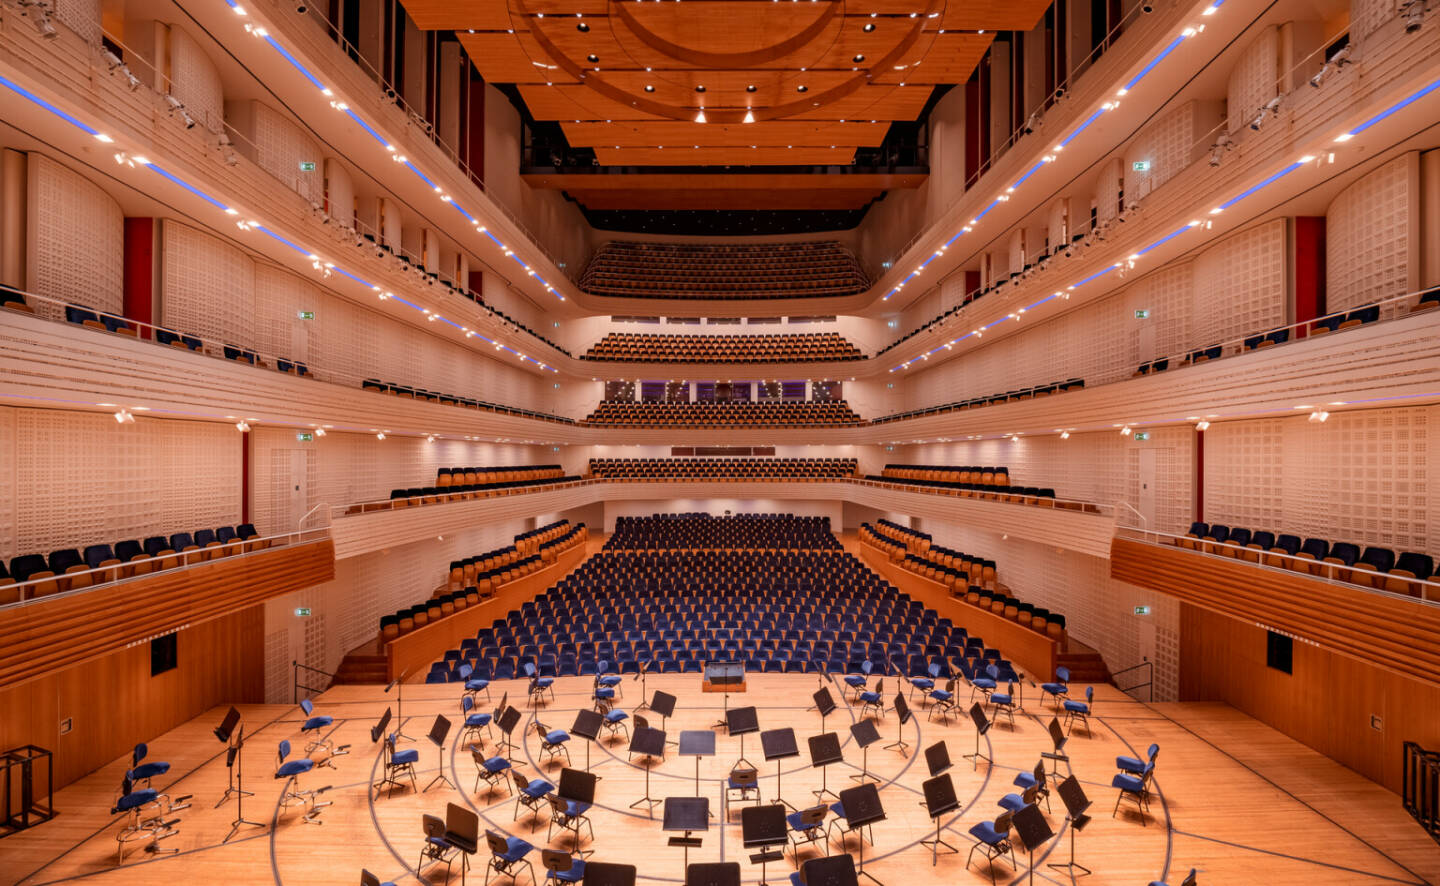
[[296, 685], [326, 505], [1333, 573], [1148, 685], [184, 559]]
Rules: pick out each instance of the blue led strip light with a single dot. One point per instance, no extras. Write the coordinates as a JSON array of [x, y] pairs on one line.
[[1264, 183], [1155, 61], [27, 94], [187, 186], [1394, 109]]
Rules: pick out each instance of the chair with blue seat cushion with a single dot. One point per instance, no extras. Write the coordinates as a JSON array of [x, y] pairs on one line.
[[1261, 540], [492, 770], [1315, 549], [806, 826], [438, 676], [745, 782], [141, 771], [183, 541], [857, 681], [1135, 788], [1409, 566], [842, 823], [474, 685], [985, 682], [314, 724], [369, 879], [613, 722], [539, 685], [993, 840], [569, 815], [552, 742], [606, 679], [1037, 780], [1286, 545], [1058, 690], [1016, 802], [398, 763], [529, 794], [1188, 881], [507, 856], [873, 700], [562, 867], [1003, 703], [1136, 766], [1079, 711], [472, 719], [99, 557], [1342, 553], [927, 683], [1372, 565], [436, 847], [1239, 538], [1191, 539], [293, 795], [145, 812]]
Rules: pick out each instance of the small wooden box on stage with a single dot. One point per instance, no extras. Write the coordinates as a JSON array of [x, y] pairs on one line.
[[723, 677]]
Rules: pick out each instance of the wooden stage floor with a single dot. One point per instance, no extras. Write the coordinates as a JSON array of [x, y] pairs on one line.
[[1236, 799]]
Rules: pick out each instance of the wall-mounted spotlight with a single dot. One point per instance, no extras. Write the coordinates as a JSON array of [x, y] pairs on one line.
[[124, 417], [1271, 109], [1223, 145], [1413, 12], [242, 426], [1340, 59]]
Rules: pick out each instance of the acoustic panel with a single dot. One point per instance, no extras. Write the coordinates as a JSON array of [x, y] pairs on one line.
[[1368, 254], [194, 80], [1254, 79], [76, 240], [280, 149], [208, 287]]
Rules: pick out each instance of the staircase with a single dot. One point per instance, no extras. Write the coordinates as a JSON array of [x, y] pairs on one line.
[[366, 664], [1086, 665]]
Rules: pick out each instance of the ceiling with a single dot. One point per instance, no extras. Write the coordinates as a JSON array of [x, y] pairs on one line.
[[816, 79]]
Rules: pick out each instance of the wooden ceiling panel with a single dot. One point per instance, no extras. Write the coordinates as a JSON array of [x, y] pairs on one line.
[[730, 26], [459, 15], [735, 197], [500, 58], [773, 133], [874, 103], [596, 182], [727, 89], [993, 15], [553, 8], [723, 156], [577, 102], [949, 58]]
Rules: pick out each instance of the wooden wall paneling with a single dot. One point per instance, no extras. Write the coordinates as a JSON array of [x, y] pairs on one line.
[[113, 702], [1326, 702], [1033, 653], [412, 653], [1378, 629], [66, 630]]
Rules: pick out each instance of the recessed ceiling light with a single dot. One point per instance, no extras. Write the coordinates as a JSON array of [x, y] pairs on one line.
[[869, 26], [592, 58], [649, 88], [858, 58], [700, 89], [802, 88], [750, 88], [582, 28]]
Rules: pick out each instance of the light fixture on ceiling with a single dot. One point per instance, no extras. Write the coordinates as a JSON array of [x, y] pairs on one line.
[[1318, 415], [1414, 13], [749, 116], [124, 417], [700, 117], [859, 57], [1064, 435], [869, 26], [802, 88], [380, 435], [242, 426], [1202, 425], [649, 88], [750, 88], [1125, 431]]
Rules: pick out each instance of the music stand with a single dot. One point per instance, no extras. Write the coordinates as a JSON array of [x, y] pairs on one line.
[[862, 807], [713, 873], [832, 870], [762, 827], [778, 745], [506, 722], [664, 705], [643, 665], [982, 726], [438, 731], [650, 742], [824, 703], [1033, 829], [378, 734], [937, 758], [824, 750], [234, 739], [688, 814], [939, 799], [865, 734], [742, 722], [1057, 738], [604, 873], [700, 743], [903, 709], [1075, 805], [587, 726], [578, 787], [400, 705]]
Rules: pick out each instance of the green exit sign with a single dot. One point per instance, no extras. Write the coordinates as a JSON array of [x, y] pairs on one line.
[[1142, 314], [1142, 435], [305, 437], [302, 611], [1141, 166], [1142, 610], [305, 315], [307, 165]]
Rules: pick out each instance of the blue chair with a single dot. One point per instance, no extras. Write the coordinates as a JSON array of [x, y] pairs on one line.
[[562, 867], [143, 772], [474, 685], [614, 723], [1136, 788], [529, 794], [369, 879], [473, 722], [806, 826], [1080, 711], [993, 839], [507, 855], [744, 781], [1060, 689], [925, 684], [552, 742], [539, 685], [874, 699], [569, 815], [857, 681], [437, 847], [1188, 881], [1136, 766], [314, 724], [1003, 703], [492, 770], [398, 763], [1015, 802], [945, 702], [293, 794], [138, 803], [607, 680], [985, 684], [1037, 780], [842, 821]]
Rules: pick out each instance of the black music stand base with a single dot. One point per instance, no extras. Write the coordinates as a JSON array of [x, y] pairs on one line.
[[1072, 865], [823, 788], [862, 872], [976, 757], [900, 743], [647, 801], [240, 794], [935, 845], [865, 773]]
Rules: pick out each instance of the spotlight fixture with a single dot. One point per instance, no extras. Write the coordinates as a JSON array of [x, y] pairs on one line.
[[1034, 123], [1340, 59], [380, 436], [802, 88], [700, 117], [319, 432], [1064, 435], [858, 58], [749, 116], [242, 426], [869, 26], [124, 417], [1125, 431], [1223, 144], [649, 88], [1318, 415], [1271, 109], [429, 438], [1414, 14], [1202, 425], [583, 28]]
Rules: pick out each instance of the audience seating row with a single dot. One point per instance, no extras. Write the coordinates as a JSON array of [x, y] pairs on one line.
[[481, 576], [429, 495], [718, 271], [1058, 387], [624, 414], [660, 469], [632, 347], [128, 557], [672, 532], [983, 476], [375, 384], [491, 476], [1376, 567], [900, 542], [987, 487]]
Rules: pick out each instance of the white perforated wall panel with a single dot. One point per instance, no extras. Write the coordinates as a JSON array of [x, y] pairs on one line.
[[1240, 285], [1254, 79], [77, 240], [80, 478], [1167, 145], [1367, 236], [208, 286], [1057, 226], [1361, 477], [1017, 252], [280, 148], [82, 17], [195, 81], [1107, 191], [1366, 16], [339, 194]]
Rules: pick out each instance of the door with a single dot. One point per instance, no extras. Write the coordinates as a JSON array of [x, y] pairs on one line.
[[299, 486], [1146, 505]]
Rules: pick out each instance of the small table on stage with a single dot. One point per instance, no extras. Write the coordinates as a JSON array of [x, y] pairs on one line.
[[700, 743], [687, 814]]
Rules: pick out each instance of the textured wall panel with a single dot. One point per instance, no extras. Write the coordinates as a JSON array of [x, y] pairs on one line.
[[1366, 16], [82, 17], [1167, 145], [82, 479], [77, 240], [1254, 79], [280, 148], [339, 194], [1367, 236], [195, 81], [1240, 285], [1107, 192], [208, 286]]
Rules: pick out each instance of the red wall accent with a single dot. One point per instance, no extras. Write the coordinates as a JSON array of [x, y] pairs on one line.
[[475, 119], [245, 477], [1309, 268], [139, 272], [1200, 475], [973, 124]]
